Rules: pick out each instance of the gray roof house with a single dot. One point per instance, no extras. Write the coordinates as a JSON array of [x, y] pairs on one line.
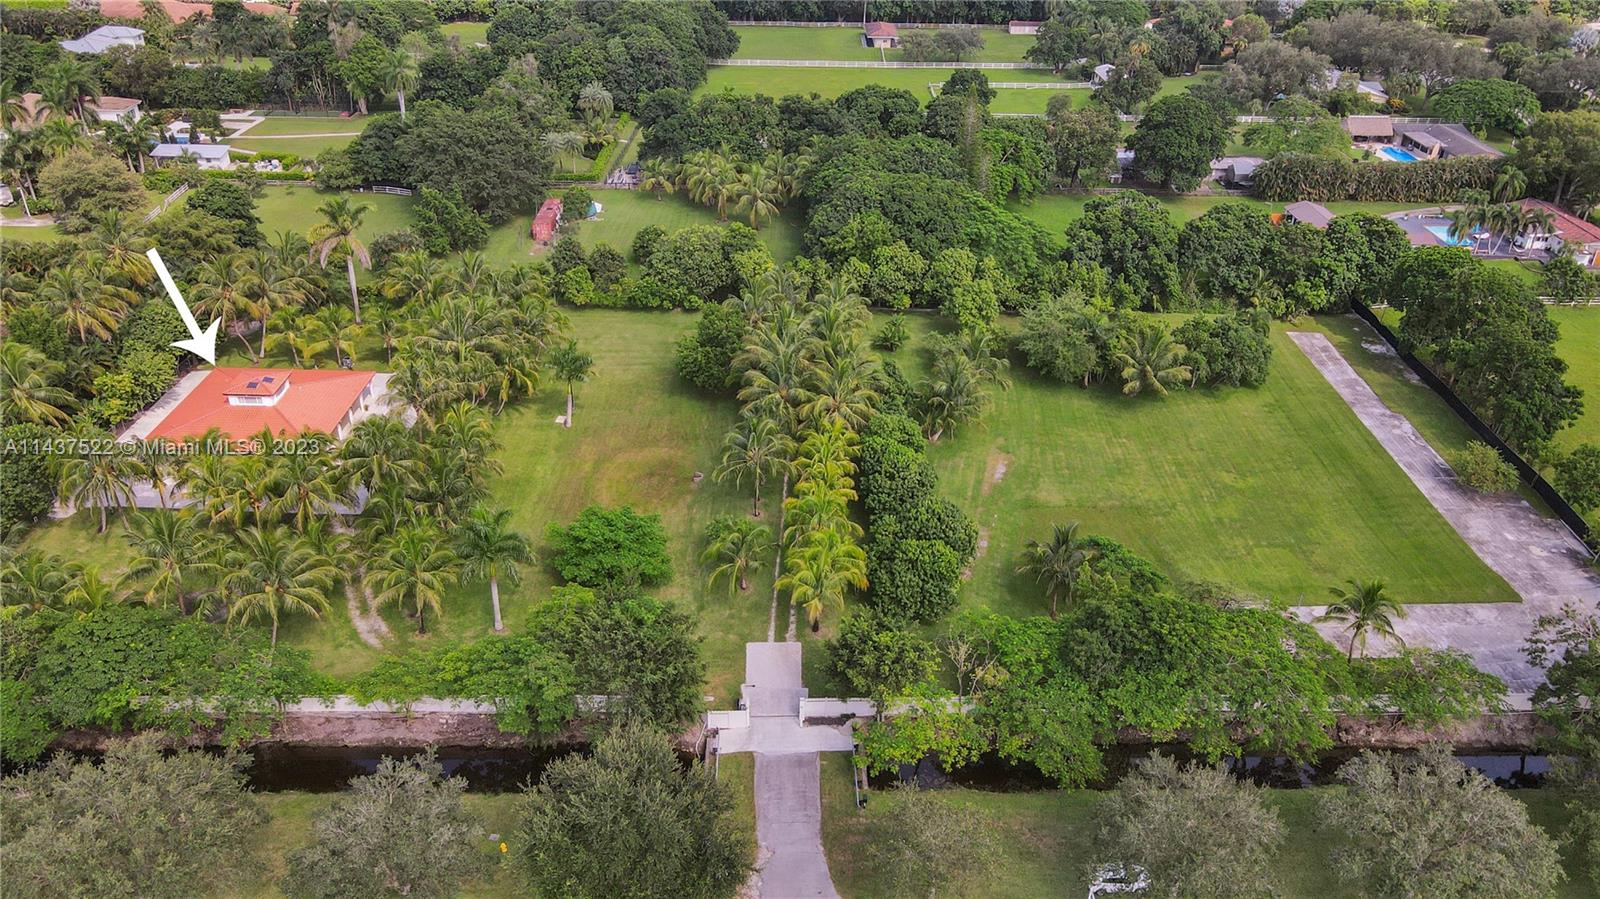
[[1102, 73], [1307, 213], [1444, 141], [209, 156], [104, 38]]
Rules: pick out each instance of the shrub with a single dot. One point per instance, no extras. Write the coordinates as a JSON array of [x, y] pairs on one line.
[[230, 200], [651, 293], [567, 254], [446, 223], [1302, 176], [27, 483], [893, 477], [1578, 477], [705, 357], [401, 831], [385, 247], [152, 327], [912, 580], [1231, 350], [606, 265], [575, 204], [1481, 467], [934, 518], [892, 335], [138, 380], [611, 548], [880, 660], [83, 184], [645, 242], [898, 429]]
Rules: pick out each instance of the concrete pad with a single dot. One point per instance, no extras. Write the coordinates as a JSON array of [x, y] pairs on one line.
[[1542, 561], [789, 828]]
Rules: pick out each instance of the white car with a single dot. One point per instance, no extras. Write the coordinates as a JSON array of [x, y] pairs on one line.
[[1118, 878]]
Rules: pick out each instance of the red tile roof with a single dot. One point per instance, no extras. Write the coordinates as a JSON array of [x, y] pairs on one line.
[[1569, 227], [882, 29], [177, 10], [314, 400]]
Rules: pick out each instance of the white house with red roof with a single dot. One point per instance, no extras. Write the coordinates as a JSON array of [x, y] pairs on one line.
[[243, 402], [1566, 232], [880, 35]]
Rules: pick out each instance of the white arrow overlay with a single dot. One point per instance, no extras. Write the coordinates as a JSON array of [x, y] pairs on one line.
[[200, 343]]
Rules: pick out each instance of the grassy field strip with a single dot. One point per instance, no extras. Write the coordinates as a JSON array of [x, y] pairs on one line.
[[1580, 347], [844, 43], [827, 82]]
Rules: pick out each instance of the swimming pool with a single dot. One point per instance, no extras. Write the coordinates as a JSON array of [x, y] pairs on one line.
[[1443, 233], [1395, 154]]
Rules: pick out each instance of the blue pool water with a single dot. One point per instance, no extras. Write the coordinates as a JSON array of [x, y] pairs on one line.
[[1395, 154], [1443, 233]]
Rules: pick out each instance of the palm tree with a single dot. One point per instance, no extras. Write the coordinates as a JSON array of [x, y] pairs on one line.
[[66, 83], [1510, 185], [336, 332], [272, 572], [99, 480], [566, 147], [82, 301], [821, 569], [757, 194], [170, 550], [271, 286], [58, 137], [341, 220], [1364, 608], [572, 366], [735, 545], [399, 74], [118, 240], [658, 177], [595, 101], [305, 485], [490, 551], [412, 570], [1056, 563], [13, 109], [380, 452], [220, 292], [753, 451], [33, 580], [953, 394], [1151, 360], [28, 390]]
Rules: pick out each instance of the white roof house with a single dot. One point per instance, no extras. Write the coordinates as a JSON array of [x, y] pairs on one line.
[[1102, 72], [104, 38], [209, 156]]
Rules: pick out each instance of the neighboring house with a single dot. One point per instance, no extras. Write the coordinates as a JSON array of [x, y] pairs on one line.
[[179, 10], [1102, 73], [1023, 26], [546, 220], [1372, 90], [104, 38], [243, 402], [1370, 128], [1235, 171], [880, 35], [1122, 167], [1443, 141], [209, 156], [1567, 231], [1307, 213], [106, 109]]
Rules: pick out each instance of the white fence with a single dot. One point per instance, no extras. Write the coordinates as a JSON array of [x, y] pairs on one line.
[[165, 203], [872, 64], [383, 189]]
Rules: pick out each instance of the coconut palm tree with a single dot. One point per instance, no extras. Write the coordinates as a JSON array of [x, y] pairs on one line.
[[952, 395], [490, 550], [13, 109], [272, 572], [572, 366], [28, 390], [337, 232], [658, 176], [220, 291], [1151, 361], [1364, 608], [97, 480], [65, 84], [399, 74], [83, 302], [270, 286], [335, 331], [566, 147], [305, 485], [87, 591], [826, 565], [753, 451], [412, 570], [58, 137], [170, 551], [32, 580], [734, 545], [118, 240], [1510, 185], [381, 452], [1056, 563], [757, 194]]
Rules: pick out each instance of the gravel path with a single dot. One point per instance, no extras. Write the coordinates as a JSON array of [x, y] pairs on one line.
[[1542, 561]]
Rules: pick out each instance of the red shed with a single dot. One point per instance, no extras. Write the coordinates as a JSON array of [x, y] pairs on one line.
[[545, 220]]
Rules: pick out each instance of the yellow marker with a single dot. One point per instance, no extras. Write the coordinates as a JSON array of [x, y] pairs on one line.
[[504, 847]]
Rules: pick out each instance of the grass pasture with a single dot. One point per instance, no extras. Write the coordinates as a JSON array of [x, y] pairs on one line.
[[1580, 347], [844, 43], [1046, 840], [777, 81], [1280, 491], [295, 209], [469, 33]]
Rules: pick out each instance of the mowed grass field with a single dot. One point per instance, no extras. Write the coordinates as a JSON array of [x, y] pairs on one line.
[[1054, 211], [1280, 491], [844, 43], [470, 33], [1580, 347], [295, 209], [1046, 840], [777, 81]]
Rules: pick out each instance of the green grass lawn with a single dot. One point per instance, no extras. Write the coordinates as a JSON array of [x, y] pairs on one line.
[[780, 80], [1580, 347], [794, 42], [1279, 491], [626, 213], [24, 235], [470, 33], [295, 209], [304, 147], [1034, 100], [1046, 839], [294, 124]]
